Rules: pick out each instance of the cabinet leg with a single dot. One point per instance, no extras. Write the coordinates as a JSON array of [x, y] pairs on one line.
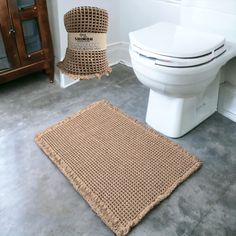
[[50, 73]]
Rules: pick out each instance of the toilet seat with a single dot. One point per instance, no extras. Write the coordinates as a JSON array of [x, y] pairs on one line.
[[169, 45]]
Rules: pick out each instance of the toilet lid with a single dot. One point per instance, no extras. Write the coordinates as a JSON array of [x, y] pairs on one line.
[[177, 46]]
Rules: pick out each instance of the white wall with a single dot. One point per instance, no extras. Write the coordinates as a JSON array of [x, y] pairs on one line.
[[55, 25], [135, 14]]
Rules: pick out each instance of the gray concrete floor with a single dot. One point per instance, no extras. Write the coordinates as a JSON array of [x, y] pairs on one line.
[[36, 199]]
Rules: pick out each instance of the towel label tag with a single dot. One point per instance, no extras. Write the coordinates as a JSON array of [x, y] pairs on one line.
[[87, 41]]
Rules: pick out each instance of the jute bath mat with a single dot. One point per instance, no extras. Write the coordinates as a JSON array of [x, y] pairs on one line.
[[120, 167]]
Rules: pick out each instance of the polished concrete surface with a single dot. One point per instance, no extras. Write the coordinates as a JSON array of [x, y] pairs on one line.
[[36, 199]]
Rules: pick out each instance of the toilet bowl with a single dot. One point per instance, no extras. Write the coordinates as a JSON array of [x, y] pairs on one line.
[[181, 67]]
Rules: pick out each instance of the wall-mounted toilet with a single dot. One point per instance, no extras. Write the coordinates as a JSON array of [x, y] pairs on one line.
[[181, 63]]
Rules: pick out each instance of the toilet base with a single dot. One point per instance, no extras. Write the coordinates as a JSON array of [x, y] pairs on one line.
[[174, 116]]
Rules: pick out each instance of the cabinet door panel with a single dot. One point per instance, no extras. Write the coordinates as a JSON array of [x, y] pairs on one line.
[[9, 58], [31, 36], [21, 4], [4, 61]]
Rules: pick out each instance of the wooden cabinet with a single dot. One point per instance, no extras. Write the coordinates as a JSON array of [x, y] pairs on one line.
[[25, 39]]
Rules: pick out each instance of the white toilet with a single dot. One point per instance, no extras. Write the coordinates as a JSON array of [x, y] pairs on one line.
[[181, 63]]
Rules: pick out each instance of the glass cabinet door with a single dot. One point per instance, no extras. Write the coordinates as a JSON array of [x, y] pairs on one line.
[[31, 35], [21, 4], [28, 31], [4, 62]]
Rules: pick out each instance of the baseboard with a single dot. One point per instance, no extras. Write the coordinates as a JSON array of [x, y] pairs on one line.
[[227, 114], [119, 53], [113, 53], [64, 81], [116, 52], [227, 101], [124, 54]]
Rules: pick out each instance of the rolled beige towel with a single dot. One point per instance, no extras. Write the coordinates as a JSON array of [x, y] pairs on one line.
[[86, 54]]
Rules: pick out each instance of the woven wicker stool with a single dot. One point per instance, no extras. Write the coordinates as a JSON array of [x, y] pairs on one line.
[[86, 53]]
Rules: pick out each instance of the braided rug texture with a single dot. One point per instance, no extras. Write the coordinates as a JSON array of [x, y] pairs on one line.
[[121, 167]]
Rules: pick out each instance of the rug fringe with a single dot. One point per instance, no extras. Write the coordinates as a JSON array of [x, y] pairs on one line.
[[98, 75]]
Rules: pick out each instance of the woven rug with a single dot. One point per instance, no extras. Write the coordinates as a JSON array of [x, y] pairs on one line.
[[121, 167]]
